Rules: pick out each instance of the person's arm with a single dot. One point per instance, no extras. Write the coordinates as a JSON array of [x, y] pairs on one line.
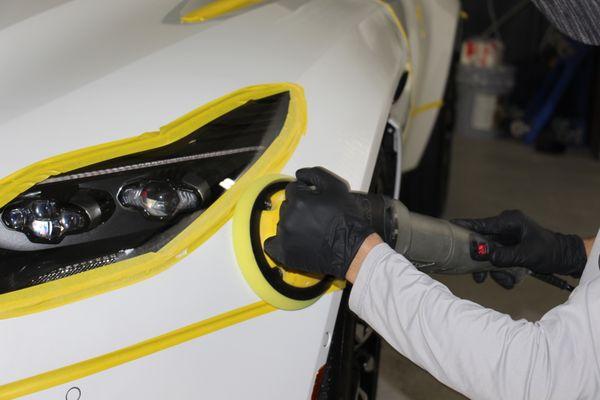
[[370, 242], [374, 239], [588, 244], [477, 351]]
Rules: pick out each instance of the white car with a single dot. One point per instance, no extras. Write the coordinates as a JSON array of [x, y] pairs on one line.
[[131, 130]]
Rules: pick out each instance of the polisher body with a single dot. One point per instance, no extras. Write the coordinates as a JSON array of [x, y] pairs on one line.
[[433, 245]]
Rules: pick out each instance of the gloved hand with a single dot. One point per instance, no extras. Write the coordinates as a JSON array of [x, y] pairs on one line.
[[505, 279], [321, 226], [518, 241]]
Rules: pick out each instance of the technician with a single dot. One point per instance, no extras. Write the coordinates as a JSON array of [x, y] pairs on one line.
[[477, 351]]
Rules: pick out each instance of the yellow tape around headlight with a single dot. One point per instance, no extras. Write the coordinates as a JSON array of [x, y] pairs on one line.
[[127, 272]]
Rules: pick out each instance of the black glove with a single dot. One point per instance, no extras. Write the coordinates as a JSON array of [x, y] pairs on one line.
[[518, 241], [321, 225], [502, 278]]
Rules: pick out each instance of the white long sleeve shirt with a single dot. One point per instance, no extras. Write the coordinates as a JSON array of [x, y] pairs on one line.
[[477, 351]]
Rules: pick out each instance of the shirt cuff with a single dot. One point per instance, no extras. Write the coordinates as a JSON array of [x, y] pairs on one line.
[[368, 267]]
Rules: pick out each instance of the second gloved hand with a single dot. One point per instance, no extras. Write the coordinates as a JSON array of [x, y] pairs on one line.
[[321, 226], [518, 241]]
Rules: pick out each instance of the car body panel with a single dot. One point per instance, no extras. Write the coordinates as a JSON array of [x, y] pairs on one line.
[[431, 27], [258, 359], [105, 83]]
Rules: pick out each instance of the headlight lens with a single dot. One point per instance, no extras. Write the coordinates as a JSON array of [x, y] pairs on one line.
[[130, 205], [45, 221], [160, 199]]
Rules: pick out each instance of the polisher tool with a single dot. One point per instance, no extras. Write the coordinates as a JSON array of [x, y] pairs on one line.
[[255, 219], [433, 245]]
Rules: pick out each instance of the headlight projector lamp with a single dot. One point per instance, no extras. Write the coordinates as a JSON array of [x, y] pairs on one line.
[[255, 220]]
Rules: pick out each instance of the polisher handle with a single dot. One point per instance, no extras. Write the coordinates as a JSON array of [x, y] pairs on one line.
[[433, 245]]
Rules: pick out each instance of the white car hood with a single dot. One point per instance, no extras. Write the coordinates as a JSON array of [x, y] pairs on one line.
[[85, 72]]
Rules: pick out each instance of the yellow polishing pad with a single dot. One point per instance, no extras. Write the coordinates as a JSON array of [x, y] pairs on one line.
[[255, 219]]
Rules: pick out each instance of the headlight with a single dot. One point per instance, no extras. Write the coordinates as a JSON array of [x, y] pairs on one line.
[[44, 221], [161, 199], [133, 204]]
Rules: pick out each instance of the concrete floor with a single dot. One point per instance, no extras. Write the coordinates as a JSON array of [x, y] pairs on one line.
[[560, 192]]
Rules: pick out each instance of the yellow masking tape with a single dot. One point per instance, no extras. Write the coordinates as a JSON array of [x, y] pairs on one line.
[[394, 16], [94, 365], [434, 105], [216, 9], [409, 67], [124, 273]]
